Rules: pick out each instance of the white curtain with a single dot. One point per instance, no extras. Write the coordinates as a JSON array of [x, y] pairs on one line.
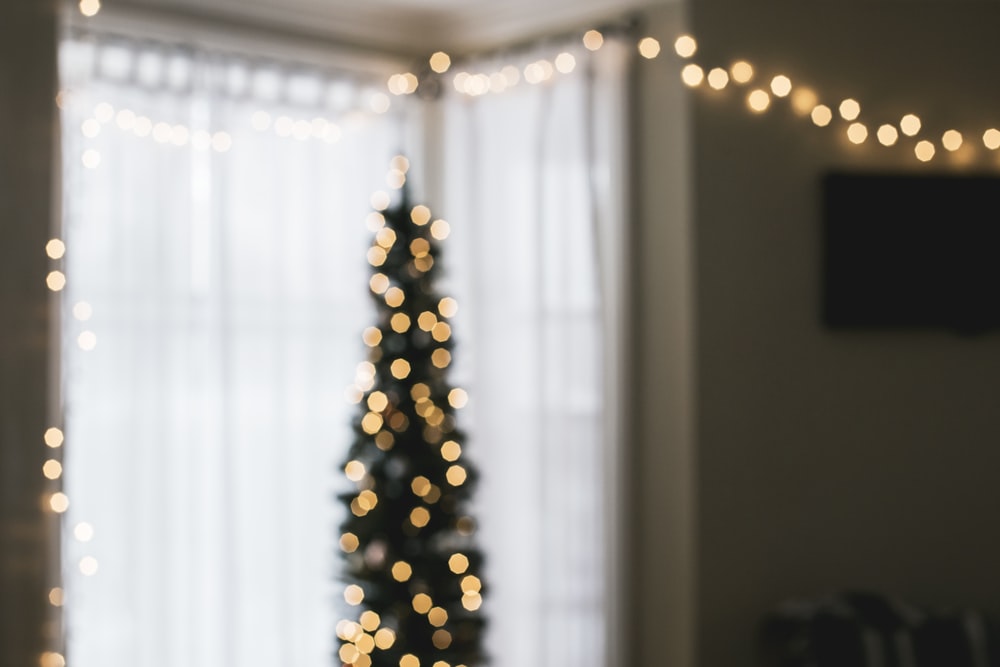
[[215, 229], [217, 288], [535, 173]]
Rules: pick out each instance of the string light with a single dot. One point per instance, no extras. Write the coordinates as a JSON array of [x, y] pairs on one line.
[[887, 134], [849, 109], [53, 437], [440, 62], [910, 125], [90, 8], [741, 71], [857, 133], [758, 100], [951, 140], [685, 46], [991, 139], [649, 48], [781, 85], [692, 75], [924, 150], [718, 78], [821, 115], [593, 40]]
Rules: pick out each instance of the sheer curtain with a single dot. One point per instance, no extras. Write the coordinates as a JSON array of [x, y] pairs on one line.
[[217, 288], [535, 172]]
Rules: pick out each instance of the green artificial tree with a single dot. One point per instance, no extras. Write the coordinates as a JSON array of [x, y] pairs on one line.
[[412, 567]]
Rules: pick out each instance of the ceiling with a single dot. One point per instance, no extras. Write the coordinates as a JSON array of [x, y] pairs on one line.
[[401, 26]]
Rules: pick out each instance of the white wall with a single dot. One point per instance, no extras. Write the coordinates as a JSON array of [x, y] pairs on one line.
[[829, 460], [662, 566]]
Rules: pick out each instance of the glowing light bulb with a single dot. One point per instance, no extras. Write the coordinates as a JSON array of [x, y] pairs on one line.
[[55, 249], [593, 40], [349, 542], [781, 85], [355, 471], [437, 616], [991, 139], [90, 7], [458, 563], [52, 469], [419, 516], [924, 150], [440, 62], [909, 124], [718, 78], [51, 659], [56, 281], [849, 109], [53, 437], [565, 63], [821, 115], [803, 101], [385, 638], [692, 75], [758, 100], [372, 336], [354, 595], [951, 140], [451, 450], [456, 475], [887, 135], [401, 571], [440, 230], [422, 603], [685, 46], [420, 215], [649, 48], [458, 398], [370, 620], [741, 71], [857, 133]]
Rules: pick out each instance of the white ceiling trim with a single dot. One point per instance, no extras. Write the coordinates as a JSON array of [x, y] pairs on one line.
[[411, 28]]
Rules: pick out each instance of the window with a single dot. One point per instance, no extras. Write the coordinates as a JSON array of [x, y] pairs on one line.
[[217, 290]]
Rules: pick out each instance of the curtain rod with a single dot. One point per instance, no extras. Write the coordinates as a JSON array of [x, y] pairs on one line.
[[213, 35]]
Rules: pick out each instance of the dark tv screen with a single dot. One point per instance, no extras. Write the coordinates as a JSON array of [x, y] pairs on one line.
[[911, 251]]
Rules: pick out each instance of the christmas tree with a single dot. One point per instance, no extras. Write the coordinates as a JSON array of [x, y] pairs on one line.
[[411, 564]]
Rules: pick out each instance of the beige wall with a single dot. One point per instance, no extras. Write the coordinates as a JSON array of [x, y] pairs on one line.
[[828, 460], [27, 93], [662, 565]]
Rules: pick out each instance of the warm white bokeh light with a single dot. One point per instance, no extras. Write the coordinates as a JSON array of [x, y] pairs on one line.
[[821, 115], [781, 85], [924, 150], [857, 133], [685, 46], [758, 100], [951, 140], [742, 71], [718, 78], [909, 124], [849, 109], [991, 139], [887, 134], [692, 75]]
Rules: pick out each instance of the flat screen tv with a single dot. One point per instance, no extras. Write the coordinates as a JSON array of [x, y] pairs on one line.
[[905, 250]]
